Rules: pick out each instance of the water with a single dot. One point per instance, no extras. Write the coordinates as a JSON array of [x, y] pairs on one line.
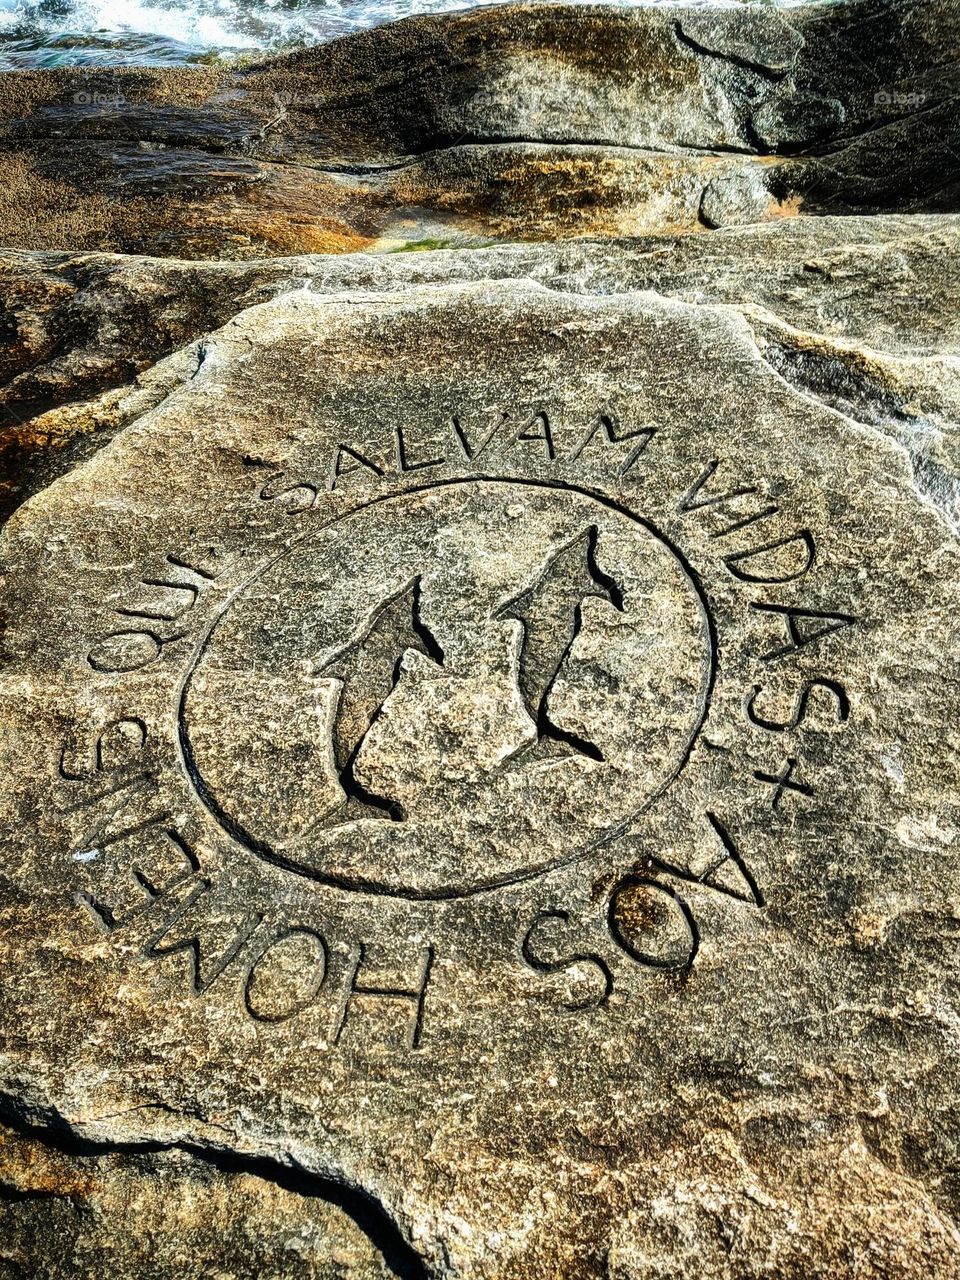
[[56, 33]]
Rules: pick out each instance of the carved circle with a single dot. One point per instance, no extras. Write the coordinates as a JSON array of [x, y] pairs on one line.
[[450, 690]]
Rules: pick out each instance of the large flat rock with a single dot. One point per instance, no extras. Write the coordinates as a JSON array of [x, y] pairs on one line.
[[492, 745], [872, 295]]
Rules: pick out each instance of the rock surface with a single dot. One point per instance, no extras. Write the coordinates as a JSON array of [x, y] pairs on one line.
[[68, 1212], [479, 763], [519, 122], [494, 745], [872, 295]]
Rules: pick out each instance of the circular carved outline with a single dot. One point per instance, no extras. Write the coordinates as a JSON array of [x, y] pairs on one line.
[[356, 884]]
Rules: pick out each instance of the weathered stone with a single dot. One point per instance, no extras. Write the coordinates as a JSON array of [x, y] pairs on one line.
[[479, 754], [492, 743], [736, 200], [83, 327], [68, 1213], [515, 122]]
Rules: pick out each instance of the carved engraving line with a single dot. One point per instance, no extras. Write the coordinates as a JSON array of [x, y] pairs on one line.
[[368, 669], [644, 919], [541, 965], [783, 782], [834, 687], [698, 499], [745, 887], [297, 494], [775, 561], [200, 981], [172, 919], [599, 584], [113, 747], [550, 613], [636, 909], [414, 996], [259, 1012], [131, 648]]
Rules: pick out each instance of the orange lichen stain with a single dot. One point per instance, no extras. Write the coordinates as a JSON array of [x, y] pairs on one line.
[[23, 444], [35, 1169], [57, 427], [554, 195], [791, 208], [285, 235]]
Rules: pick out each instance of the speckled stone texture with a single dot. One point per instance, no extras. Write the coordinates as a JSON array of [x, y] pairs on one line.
[[517, 122], [492, 747], [864, 293], [479, 736]]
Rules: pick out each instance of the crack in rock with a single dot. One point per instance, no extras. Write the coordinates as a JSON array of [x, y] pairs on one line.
[[832, 376], [744, 53], [53, 1131]]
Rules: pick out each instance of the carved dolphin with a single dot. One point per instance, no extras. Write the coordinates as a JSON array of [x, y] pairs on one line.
[[550, 612], [369, 668]]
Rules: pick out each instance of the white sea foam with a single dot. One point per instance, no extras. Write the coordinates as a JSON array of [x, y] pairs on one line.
[[85, 32]]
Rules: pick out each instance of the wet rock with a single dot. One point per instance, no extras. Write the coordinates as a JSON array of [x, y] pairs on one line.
[[524, 122], [117, 120]]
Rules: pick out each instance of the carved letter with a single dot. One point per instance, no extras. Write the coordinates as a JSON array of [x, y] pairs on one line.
[[297, 497], [809, 553], [798, 636], [340, 469], [403, 462], [203, 972], [145, 862], [567, 963], [114, 746], [538, 428], [414, 996], [124, 651], [692, 501], [604, 424], [652, 924], [285, 975], [185, 593], [470, 452], [833, 687]]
